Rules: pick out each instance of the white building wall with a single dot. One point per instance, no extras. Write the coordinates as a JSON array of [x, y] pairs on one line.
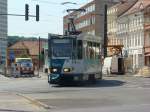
[[3, 30], [131, 29]]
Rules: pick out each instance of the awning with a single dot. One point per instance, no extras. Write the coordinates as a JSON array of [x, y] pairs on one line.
[[147, 27], [147, 55]]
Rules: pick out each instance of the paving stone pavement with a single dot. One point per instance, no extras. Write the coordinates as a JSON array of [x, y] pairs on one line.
[[16, 103]]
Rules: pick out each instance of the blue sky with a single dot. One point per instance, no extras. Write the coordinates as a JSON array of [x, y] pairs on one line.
[[51, 17]]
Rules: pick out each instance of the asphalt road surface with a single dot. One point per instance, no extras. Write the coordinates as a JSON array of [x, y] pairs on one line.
[[112, 94]]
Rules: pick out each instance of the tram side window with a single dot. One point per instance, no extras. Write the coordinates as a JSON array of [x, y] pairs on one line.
[[93, 51], [74, 49], [90, 51], [97, 51], [79, 47], [49, 48]]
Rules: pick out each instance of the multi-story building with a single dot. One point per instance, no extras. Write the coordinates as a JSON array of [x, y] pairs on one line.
[[113, 14], [147, 35], [134, 31], [92, 20], [3, 30]]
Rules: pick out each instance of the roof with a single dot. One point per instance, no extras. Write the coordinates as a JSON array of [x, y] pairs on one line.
[[82, 7], [89, 37], [138, 6], [86, 37], [147, 27], [18, 45], [123, 6], [32, 46]]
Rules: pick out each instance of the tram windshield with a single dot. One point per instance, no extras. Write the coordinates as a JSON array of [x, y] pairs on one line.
[[61, 48]]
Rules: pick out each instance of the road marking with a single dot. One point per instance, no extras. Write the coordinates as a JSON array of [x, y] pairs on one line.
[[35, 102]]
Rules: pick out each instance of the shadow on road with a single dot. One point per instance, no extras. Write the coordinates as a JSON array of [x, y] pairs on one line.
[[108, 83], [99, 83], [9, 110]]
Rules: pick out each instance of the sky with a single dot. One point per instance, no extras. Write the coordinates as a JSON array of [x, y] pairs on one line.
[[51, 17]]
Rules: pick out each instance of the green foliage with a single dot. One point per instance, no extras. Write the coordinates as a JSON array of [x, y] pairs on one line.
[[24, 56], [13, 39], [41, 57]]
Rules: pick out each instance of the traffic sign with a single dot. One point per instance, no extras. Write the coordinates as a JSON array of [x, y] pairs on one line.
[[12, 55]]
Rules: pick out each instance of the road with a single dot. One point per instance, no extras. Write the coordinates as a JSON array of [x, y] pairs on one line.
[[112, 94]]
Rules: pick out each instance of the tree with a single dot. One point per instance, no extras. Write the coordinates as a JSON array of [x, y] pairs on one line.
[[24, 56], [13, 39]]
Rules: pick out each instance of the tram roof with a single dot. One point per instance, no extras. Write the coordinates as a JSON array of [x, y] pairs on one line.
[[86, 37], [89, 37]]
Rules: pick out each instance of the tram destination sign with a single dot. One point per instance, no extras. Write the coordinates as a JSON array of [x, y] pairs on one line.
[[65, 41]]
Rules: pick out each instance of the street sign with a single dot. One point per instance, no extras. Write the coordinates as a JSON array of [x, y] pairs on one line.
[[12, 55]]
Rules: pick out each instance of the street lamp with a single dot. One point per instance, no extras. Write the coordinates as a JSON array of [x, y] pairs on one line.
[[76, 10], [64, 3]]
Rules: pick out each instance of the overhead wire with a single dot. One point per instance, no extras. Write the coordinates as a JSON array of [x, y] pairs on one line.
[[56, 3]]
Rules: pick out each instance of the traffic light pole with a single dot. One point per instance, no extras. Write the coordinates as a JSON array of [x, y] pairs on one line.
[[26, 15], [37, 12], [105, 31], [39, 57], [27, 12], [16, 15]]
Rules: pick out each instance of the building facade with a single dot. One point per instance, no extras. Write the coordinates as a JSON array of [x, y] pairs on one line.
[[3, 31], [92, 20], [147, 35], [132, 31], [113, 14]]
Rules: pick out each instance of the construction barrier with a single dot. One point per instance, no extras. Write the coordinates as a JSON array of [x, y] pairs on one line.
[[144, 72]]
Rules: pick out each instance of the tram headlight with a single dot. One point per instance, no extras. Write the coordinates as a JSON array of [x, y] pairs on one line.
[[54, 70], [67, 69]]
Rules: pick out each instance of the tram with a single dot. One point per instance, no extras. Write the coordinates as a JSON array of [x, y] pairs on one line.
[[74, 58]]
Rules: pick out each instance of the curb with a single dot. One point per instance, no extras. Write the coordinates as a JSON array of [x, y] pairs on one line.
[[35, 102], [115, 75]]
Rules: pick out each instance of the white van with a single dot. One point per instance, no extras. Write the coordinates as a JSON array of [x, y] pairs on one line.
[[113, 65], [117, 65], [107, 65]]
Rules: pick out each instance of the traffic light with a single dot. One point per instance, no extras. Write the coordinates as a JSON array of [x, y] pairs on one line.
[[37, 12], [26, 12]]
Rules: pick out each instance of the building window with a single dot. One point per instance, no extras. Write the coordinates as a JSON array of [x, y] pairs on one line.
[[138, 40], [149, 39], [92, 32], [88, 10], [92, 20]]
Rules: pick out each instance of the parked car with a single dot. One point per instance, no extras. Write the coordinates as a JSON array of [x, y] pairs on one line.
[[26, 68]]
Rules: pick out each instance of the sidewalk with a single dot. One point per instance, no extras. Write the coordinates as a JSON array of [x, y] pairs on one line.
[[2, 77], [123, 75], [41, 75], [16, 103]]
